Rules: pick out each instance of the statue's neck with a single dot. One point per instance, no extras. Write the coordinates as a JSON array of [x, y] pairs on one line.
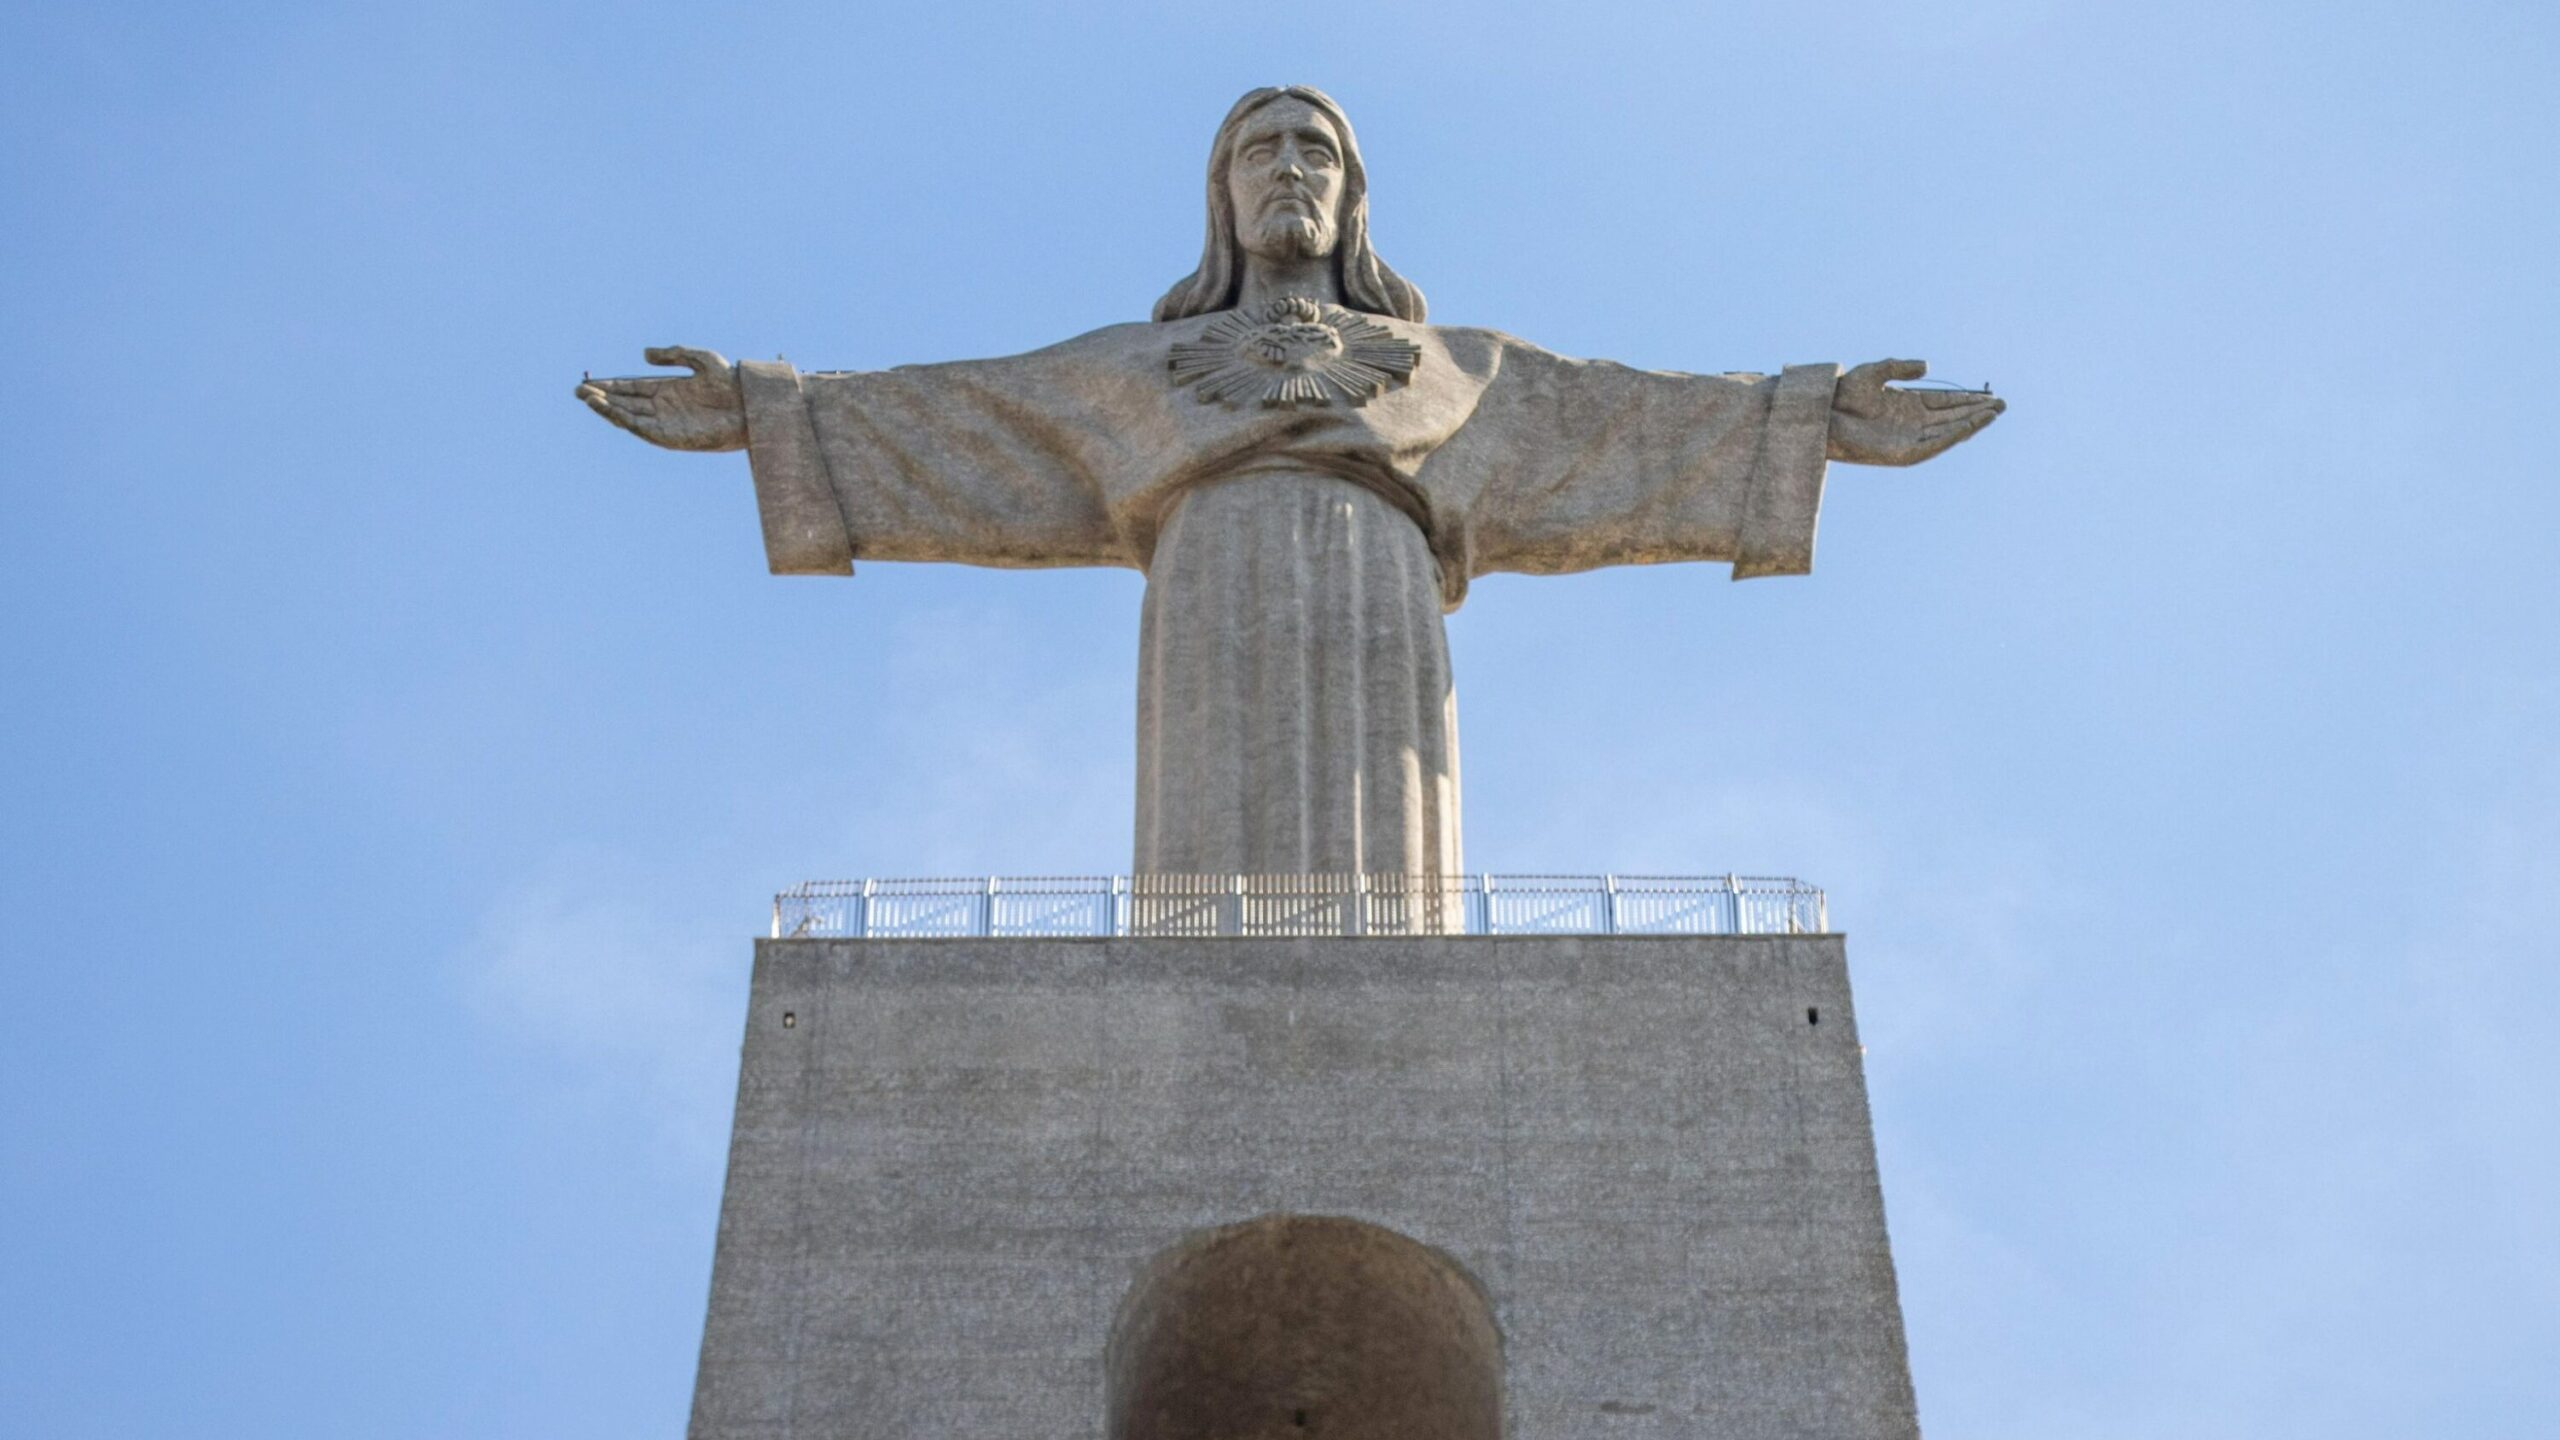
[[1266, 280]]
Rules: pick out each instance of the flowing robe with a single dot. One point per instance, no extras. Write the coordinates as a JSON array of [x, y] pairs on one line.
[[1295, 710]]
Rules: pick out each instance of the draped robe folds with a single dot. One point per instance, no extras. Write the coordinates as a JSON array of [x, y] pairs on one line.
[[1296, 714]]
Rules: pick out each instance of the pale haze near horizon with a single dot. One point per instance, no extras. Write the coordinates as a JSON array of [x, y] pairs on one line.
[[400, 758]]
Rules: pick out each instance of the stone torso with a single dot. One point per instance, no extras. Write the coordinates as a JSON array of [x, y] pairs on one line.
[[1307, 491]]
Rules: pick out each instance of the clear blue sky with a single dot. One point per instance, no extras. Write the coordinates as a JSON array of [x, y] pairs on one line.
[[398, 759]]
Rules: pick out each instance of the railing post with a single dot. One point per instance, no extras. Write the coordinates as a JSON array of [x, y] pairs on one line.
[[862, 911], [987, 909], [1733, 887], [777, 917], [1484, 882], [1114, 920], [1608, 904], [1239, 913], [1359, 902]]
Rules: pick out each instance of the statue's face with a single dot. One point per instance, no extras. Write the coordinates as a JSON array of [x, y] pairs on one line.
[[1286, 182]]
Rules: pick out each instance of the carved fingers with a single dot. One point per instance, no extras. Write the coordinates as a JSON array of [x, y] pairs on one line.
[[1952, 425], [700, 362], [624, 402], [700, 411], [1862, 390], [1874, 424]]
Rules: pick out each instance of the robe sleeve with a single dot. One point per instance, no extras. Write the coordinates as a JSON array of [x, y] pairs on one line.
[[980, 462], [1583, 463]]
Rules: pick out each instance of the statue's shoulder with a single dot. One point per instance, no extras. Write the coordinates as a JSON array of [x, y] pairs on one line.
[[1145, 342], [1125, 332], [1476, 336], [1107, 341], [1103, 346], [1472, 348]]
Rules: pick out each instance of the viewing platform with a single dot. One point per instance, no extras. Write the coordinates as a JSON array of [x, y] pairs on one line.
[[1209, 906]]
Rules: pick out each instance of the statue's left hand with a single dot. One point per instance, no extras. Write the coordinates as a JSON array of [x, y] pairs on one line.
[[701, 411], [1873, 424]]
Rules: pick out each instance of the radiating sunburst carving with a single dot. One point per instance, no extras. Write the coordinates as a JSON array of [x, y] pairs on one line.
[[1294, 351]]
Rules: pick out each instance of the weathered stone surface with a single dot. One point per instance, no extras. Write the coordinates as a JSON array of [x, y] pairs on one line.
[[953, 1160], [1296, 713], [1308, 474]]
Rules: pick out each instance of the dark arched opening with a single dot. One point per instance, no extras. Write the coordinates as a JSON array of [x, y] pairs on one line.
[[1295, 1326]]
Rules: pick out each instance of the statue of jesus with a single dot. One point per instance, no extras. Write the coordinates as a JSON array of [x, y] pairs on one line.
[[1308, 475]]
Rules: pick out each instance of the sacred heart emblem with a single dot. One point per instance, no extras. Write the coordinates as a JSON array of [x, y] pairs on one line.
[[1293, 352]]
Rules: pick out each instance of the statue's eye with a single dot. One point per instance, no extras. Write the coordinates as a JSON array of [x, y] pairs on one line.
[[1320, 155], [1260, 151]]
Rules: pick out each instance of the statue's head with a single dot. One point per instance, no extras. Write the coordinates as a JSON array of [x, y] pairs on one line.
[[1286, 183]]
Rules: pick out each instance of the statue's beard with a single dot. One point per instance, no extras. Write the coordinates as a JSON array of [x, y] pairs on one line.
[[1287, 233]]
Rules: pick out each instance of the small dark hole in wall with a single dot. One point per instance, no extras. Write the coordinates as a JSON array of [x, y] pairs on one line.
[[1299, 1419], [789, 1019], [1812, 1016]]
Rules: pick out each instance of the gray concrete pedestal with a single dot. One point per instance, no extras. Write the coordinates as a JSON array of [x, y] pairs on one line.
[[952, 1157]]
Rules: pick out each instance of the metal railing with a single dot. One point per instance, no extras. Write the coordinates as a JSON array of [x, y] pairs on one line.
[[1340, 905]]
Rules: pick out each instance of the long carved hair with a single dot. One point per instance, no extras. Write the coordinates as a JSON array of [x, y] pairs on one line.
[[1367, 283]]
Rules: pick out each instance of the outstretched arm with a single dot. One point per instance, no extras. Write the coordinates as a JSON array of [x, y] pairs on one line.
[[701, 411], [1873, 424], [984, 462], [1573, 464]]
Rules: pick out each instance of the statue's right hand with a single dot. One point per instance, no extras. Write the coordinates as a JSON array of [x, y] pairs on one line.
[[701, 411]]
